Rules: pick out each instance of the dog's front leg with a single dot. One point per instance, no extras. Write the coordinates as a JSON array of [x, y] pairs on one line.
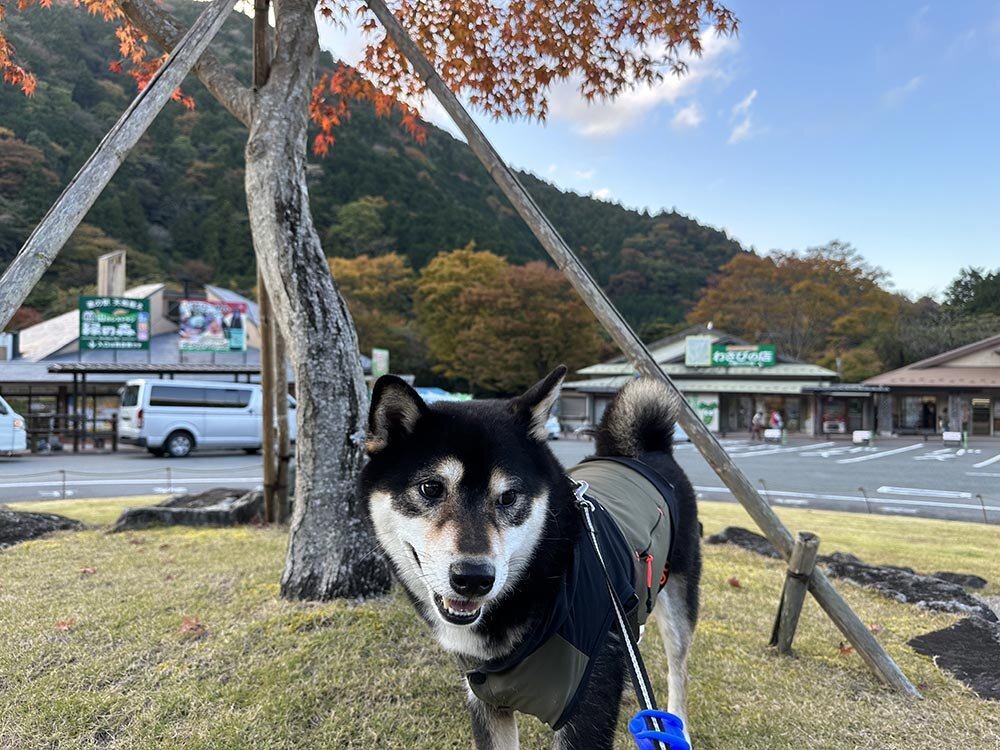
[[492, 729]]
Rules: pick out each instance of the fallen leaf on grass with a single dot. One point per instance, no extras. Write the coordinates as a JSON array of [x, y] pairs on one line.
[[164, 546], [65, 626], [169, 577], [192, 627], [846, 649], [87, 571], [137, 540], [735, 582], [875, 627]]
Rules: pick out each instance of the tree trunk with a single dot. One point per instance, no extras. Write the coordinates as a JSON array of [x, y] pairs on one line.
[[332, 550]]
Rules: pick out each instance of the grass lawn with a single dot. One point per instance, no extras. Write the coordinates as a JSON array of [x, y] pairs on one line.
[[176, 638]]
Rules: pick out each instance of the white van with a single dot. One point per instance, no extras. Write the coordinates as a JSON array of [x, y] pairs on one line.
[[13, 435], [177, 416]]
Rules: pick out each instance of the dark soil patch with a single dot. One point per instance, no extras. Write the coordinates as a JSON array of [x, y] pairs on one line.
[[967, 580], [746, 539], [969, 650], [215, 507], [905, 586], [17, 526]]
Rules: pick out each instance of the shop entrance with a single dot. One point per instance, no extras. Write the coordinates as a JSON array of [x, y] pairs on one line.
[[982, 416]]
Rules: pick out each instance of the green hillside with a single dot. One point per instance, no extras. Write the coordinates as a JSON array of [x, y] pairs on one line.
[[178, 202]]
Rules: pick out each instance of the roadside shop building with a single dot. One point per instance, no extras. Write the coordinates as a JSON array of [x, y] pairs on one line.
[[725, 378]]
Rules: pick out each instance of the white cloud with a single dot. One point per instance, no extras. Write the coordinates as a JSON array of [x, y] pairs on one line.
[[688, 117], [741, 110], [604, 118], [742, 130], [602, 194], [743, 106], [585, 174], [895, 96]]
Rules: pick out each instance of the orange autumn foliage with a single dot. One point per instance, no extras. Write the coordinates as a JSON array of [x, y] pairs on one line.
[[501, 57]]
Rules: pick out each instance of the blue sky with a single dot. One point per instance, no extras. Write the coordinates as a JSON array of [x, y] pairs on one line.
[[874, 123]]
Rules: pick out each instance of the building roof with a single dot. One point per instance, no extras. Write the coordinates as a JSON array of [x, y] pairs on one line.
[[706, 385], [975, 365], [669, 354], [42, 339]]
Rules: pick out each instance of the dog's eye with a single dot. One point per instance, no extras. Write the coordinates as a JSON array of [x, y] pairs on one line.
[[431, 490], [507, 499]]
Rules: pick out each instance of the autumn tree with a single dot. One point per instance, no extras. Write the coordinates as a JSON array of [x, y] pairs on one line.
[[442, 307], [502, 58], [359, 229], [825, 305], [523, 325], [379, 292]]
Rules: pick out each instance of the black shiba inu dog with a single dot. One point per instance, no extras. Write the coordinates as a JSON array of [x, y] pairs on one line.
[[478, 520]]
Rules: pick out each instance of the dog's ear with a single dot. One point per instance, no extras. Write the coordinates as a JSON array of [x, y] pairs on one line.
[[394, 412], [532, 407]]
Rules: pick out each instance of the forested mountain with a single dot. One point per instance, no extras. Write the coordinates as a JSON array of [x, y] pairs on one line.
[[178, 202]]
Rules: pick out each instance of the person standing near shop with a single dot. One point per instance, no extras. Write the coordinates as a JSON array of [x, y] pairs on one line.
[[757, 425], [777, 423]]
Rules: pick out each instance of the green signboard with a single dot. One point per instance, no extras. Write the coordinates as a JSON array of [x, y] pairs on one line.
[[731, 355], [114, 323]]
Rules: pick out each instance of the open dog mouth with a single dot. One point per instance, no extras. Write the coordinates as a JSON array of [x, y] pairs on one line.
[[458, 611]]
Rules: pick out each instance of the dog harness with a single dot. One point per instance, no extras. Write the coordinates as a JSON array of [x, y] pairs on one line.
[[633, 517]]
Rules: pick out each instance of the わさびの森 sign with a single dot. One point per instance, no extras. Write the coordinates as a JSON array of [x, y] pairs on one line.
[[113, 323]]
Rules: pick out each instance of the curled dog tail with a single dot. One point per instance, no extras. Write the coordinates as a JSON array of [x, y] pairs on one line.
[[639, 420]]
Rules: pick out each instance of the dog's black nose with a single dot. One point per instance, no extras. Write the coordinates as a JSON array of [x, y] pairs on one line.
[[472, 578]]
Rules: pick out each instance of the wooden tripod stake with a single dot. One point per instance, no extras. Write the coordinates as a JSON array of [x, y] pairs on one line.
[[618, 328], [793, 595]]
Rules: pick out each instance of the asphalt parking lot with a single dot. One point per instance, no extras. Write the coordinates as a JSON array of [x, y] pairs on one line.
[[900, 476]]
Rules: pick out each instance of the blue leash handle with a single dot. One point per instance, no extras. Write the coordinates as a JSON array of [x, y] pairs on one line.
[[672, 735]]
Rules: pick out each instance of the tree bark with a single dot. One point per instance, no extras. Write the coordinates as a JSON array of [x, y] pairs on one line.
[[332, 548]]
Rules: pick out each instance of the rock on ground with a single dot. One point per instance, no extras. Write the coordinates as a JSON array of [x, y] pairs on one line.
[[969, 650], [215, 507], [17, 526]]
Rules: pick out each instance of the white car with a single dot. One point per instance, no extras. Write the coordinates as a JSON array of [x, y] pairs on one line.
[[13, 434], [175, 417]]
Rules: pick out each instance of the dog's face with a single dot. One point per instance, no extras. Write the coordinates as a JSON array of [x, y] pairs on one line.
[[459, 493]]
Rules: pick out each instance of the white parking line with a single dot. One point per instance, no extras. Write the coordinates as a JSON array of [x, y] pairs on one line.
[[873, 456], [912, 491], [852, 499], [111, 480], [987, 462], [981, 474], [784, 450]]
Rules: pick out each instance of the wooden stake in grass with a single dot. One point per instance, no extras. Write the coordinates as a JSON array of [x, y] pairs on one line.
[[619, 330], [800, 567]]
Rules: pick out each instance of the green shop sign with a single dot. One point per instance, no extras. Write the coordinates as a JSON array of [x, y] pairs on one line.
[[114, 323], [730, 355]]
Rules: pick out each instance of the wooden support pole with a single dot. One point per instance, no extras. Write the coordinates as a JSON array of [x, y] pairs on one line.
[[613, 322], [69, 209], [793, 594], [282, 434], [272, 384], [267, 390]]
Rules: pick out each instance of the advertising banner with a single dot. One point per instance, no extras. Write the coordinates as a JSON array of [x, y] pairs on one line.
[[212, 326], [114, 323], [730, 355]]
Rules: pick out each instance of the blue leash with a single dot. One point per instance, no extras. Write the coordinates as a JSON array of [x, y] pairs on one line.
[[651, 728]]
